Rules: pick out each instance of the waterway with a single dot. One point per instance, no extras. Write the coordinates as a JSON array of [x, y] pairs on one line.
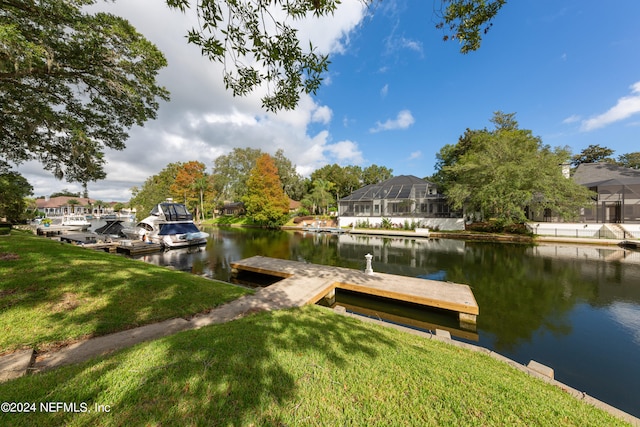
[[573, 308]]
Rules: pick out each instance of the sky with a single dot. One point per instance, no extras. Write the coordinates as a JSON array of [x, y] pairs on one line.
[[395, 92]]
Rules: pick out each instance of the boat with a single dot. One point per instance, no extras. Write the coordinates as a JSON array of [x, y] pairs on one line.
[[75, 222], [169, 224], [113, 228]]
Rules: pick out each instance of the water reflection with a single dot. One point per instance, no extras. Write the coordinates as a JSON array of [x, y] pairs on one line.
[[557, 304]]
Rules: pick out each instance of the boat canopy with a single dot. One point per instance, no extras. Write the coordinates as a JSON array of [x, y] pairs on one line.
[[172, 211], [180, 228]]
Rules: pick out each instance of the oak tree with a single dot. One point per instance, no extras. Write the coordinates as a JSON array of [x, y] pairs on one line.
[[15, 188], [502, 172], [72, 83]]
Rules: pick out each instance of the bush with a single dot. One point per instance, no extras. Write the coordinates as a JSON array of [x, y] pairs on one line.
[[5, 228], [498, 227], [363, 224]]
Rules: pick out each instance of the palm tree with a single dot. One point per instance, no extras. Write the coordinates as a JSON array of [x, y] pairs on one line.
[[321, 194], [73, 203], [201, 185], [99, 204]]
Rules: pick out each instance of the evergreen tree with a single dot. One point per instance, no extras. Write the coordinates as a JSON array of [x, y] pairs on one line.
[[265, 201]]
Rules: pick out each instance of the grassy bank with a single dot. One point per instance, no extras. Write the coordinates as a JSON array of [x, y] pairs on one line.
[[304, 366], [53, 293]]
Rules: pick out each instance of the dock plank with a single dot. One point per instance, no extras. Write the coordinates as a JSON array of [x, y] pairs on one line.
[[312, 282]]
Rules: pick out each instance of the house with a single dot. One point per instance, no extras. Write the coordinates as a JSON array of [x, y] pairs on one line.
[[65, 205], [294, 205], [233, 208], [401, 198], [618, 188]]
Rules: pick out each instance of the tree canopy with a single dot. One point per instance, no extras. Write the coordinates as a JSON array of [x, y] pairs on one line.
[[154, 190], [259, 45], [15, 188], [190, 185], [343, 180], [593, 154], [265, 200], [231, 171], [630, 160], [503, 172], [71, 83]]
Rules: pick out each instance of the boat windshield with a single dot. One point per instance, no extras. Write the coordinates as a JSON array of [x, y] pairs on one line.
[[182, 228], [172, 212]]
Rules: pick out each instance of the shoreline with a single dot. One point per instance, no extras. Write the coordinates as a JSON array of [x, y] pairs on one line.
[[486, 237]]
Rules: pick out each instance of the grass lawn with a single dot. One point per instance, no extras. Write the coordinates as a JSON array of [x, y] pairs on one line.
[[53, 293], [299, 367]]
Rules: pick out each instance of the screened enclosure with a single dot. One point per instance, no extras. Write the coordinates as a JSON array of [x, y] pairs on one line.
[[618, 193], [400, 196]]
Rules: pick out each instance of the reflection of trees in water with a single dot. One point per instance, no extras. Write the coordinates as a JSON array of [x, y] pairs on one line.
[[321, 248], [519, 294]]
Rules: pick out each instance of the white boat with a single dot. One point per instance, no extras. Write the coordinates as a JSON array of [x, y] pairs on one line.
[[169, 224], [75, 222]]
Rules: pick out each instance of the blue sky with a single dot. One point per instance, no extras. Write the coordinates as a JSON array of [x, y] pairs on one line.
[[395, 92], [557, 64]]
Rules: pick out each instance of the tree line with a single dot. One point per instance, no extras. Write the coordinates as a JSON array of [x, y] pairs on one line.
[[234, 177]]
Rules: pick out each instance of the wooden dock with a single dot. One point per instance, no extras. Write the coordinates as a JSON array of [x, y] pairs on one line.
[[137, 247], [307, 283], [115, 245]]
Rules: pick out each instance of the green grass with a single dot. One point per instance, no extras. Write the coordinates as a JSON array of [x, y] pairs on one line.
[[300, 367], [53, 293]]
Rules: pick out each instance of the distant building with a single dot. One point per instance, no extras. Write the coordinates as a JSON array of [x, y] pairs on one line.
[[64, 205], [618, 189], [233, 208], [401, 198], [294, 205]]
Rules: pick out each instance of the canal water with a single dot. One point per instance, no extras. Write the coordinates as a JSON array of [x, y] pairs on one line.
[[573, 308]]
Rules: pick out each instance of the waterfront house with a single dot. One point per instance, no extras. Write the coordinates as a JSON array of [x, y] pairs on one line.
[[66, 205], [404, 198], [618, 192]]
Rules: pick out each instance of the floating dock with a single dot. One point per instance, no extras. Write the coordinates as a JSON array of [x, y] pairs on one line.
[[308, 283]]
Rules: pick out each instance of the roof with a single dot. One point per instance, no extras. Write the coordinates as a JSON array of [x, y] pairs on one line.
[[56, 202], [599, 174], [294, 204], [398, 187]]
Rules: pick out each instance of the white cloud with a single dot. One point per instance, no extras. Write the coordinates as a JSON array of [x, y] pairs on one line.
[[626, 106], [384, 91], [318, 151], [402, 121], [571, 119], [415, 155], [322, 115]]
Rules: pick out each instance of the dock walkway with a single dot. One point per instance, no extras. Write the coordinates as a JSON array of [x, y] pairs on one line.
[[307, 283]]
